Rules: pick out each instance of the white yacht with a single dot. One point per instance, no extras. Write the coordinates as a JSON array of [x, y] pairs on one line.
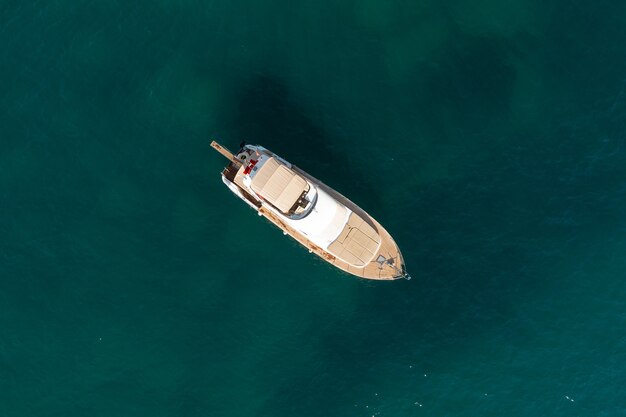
[[315, 215]]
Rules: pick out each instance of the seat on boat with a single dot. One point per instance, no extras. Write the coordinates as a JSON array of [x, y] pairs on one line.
[[279, 184], [357, 243]]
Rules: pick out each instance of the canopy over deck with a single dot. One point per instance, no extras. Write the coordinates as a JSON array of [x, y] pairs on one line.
[[278, 184]]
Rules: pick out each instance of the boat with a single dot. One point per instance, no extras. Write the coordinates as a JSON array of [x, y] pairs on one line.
[[315, 215]]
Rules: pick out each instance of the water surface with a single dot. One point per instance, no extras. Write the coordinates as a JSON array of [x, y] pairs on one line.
[[488, 138]]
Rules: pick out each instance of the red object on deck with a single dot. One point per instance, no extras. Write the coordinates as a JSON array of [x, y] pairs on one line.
[[251, 165]]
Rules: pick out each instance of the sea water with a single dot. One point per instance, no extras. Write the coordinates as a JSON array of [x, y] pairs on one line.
[[487, 137]]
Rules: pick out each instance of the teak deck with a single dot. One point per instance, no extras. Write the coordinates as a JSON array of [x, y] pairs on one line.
[[391, 268]]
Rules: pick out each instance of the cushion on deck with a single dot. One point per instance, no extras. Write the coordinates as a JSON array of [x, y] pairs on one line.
[[357, 243]]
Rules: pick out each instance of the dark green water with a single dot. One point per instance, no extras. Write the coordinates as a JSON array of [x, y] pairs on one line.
[[488, 137]]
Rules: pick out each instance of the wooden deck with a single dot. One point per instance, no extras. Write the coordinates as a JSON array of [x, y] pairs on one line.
[[372, 270]]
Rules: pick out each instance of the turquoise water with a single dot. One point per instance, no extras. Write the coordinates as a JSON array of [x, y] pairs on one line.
[[488, 137]]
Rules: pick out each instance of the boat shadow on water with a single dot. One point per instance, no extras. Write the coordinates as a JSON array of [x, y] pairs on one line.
[[268, 112]]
